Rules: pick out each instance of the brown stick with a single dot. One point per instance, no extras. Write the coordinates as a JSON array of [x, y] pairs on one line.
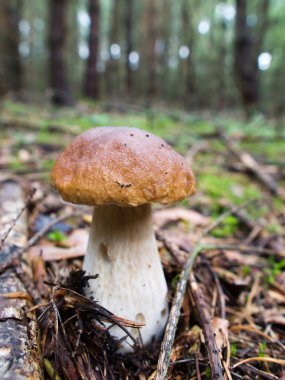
[[221, 294], [167, 343], [20, 355], [205, 319], [252, 165]]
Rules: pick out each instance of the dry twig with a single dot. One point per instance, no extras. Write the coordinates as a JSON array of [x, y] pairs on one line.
[[167, 343], [252, 165], [204, 316]]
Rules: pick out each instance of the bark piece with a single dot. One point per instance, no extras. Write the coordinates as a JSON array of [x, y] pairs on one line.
[[19, 349]]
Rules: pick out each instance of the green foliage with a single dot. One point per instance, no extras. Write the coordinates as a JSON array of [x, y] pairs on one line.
[[16, 165], [56, 236], [47, 164], [174, 281], [43, 136], [246, 270], [233, 188], [184, 203], [208, 373], [227, 228], [274, 228], [262, 349], [274, 269], [233, 349]]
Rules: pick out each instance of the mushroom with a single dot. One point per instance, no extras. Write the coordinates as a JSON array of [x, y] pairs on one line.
[[121, 171]]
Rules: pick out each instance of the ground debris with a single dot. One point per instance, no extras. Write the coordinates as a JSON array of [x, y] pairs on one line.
[[240, 283], [75, 333]]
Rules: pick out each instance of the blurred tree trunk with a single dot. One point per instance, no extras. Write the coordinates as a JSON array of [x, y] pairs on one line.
[[247, 50], [56, 41], [10, 60], [91, 87], [150, 37], [129, 43], [188, 68], [221, 74], [117, 36], [246, 70], [165, 88]]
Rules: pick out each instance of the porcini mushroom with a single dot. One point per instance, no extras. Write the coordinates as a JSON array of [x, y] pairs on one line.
[[122, 171]]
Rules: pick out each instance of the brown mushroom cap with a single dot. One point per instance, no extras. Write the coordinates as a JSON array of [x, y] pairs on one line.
[[122, 166]]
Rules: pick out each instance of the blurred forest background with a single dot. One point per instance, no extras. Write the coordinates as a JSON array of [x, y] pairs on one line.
[[209, 78], [188, 54]]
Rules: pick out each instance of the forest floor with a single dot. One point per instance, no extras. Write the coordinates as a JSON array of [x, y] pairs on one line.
[[232, 318]]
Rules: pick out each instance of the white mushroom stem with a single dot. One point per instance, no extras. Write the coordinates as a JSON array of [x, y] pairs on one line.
[[122, 249]]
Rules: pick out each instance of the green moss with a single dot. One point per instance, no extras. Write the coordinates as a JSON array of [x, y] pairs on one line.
[[274, 228], [266, 150], [227, 228], [16, 165], [246, 270], [47, 164], [208, 373], [273, 269], [262, 349], [233, 349], [56, 236], [234, 188]]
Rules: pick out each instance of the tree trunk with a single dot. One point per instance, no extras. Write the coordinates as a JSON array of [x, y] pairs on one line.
[[188, 68], [246, 70], [91, 87], [57, 67], [129, 43], [150, 62], [117, 35], [247, 49], [10, 60]]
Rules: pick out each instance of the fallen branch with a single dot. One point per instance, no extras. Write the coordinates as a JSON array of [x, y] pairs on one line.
[[19, 346], [205, 319], [221, 294], [167, 343], [252, 165]]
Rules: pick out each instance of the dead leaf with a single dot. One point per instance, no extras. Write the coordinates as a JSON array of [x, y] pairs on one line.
[[274, 316], [187, 338], [220, 328], [241, 258], [280, 298], [77, 242], [171, 215]]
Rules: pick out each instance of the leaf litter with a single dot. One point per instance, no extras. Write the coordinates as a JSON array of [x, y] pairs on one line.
[[238, 277]]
